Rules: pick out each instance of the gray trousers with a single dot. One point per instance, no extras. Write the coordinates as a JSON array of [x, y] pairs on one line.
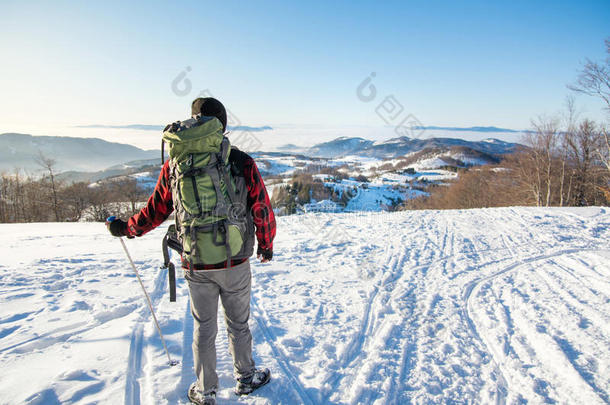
[[233, 287]]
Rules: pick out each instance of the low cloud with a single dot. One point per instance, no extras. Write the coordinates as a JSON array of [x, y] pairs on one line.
[[143, 127], [469, 129], [140, 127]]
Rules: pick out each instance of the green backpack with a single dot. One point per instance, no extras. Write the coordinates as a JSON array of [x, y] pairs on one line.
[[211, 218]]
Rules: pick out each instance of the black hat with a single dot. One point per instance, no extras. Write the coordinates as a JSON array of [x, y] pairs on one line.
[[210, 107]]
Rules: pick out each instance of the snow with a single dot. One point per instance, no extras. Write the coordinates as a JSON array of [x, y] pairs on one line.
[[499, 169], [430, 163], [474, 306], [146, 180], [437, 175], [363, 162], [277, 165], [272, 185], [392, 178], [375, 197], [322, 206]]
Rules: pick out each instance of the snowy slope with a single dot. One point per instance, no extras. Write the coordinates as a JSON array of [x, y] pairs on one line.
[[481, 306]]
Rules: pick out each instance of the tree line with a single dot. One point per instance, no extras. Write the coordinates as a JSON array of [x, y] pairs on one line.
[[555, 168], [28, 198]]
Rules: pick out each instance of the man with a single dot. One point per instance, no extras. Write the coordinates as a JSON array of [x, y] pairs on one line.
[[229, 280]]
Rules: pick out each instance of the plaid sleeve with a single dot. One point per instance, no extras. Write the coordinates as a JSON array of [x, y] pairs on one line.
[[157, 209], [259, 203]]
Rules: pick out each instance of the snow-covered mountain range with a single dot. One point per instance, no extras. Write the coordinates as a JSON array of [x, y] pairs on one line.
[[401, 146], [94, 159], [349, 174]]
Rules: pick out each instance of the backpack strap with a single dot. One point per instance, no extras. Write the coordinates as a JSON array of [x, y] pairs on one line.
[[193, 231], [225, 150], [170, 241], [194, 183], [224, 230], [237, 158], [162, 152]]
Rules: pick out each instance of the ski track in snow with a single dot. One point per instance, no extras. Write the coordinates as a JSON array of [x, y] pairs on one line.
[[507, 305], [283, 362], [136, 346]]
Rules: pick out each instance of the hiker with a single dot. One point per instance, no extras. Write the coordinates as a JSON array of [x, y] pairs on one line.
[[196, 182]]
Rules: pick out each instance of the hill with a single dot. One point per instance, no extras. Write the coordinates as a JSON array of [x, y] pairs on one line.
[[80, 154], [94, 159], [360, 175], [480, 306], [401, 146]]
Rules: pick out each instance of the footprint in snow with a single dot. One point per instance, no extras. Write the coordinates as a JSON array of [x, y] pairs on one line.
[[114, 313], [77, 375], [5, 332], [44, 397]]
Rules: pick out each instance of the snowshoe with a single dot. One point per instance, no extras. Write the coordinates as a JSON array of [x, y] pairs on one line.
[[246, 385], [196, 396]]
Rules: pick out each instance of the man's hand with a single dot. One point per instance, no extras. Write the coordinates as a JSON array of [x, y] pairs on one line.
[[117, 227], [264, 255]]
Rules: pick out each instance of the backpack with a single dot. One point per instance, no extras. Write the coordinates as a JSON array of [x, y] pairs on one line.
[[213, 224]]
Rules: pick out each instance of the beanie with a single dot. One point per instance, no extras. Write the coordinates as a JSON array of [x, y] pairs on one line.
[[210, 107]]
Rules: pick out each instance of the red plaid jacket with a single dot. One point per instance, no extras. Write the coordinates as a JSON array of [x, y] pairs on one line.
[[160, 204]]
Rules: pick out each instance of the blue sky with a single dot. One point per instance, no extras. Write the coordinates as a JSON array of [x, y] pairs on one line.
[[294, 63]]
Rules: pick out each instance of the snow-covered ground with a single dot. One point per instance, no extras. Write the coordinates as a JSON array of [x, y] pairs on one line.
[[506, 305]]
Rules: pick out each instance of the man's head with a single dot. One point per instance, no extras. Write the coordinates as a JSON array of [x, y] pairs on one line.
[[210, 107]]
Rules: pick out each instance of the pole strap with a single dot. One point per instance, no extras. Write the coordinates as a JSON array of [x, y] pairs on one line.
[[171, 269]]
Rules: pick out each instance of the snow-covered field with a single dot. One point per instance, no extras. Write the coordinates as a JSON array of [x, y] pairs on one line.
[[504, 305]]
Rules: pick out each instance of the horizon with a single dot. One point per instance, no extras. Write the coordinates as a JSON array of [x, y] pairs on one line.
[[275, 138]]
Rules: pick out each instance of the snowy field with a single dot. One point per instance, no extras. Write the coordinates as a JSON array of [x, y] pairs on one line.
[[485, 306]]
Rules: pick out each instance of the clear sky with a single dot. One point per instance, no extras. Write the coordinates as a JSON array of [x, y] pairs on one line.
[[272, 63]]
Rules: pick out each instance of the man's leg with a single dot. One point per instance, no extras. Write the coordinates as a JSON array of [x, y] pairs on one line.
[[204, 307], [235, 296]]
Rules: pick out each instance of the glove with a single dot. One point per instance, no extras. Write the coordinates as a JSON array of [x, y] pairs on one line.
[[117, 227], [264, 255]]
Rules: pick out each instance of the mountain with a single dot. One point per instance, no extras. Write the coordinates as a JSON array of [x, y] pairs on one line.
[[339, 147], [92, 159], [124, 169], [455, 156], [401, 146], [291, 148], [78, 154]]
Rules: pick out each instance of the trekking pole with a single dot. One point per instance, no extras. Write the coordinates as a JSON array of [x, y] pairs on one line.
[[171, 362]]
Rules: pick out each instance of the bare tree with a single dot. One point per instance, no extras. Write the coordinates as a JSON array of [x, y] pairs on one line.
[[604, 151], [129, 189], [582, 145], [543, 149], [7, 213], [76, 198], [101, 198], [48, 165], [594, 79], [570, 119]]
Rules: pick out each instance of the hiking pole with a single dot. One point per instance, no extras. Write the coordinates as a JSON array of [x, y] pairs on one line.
[[171, 362]]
